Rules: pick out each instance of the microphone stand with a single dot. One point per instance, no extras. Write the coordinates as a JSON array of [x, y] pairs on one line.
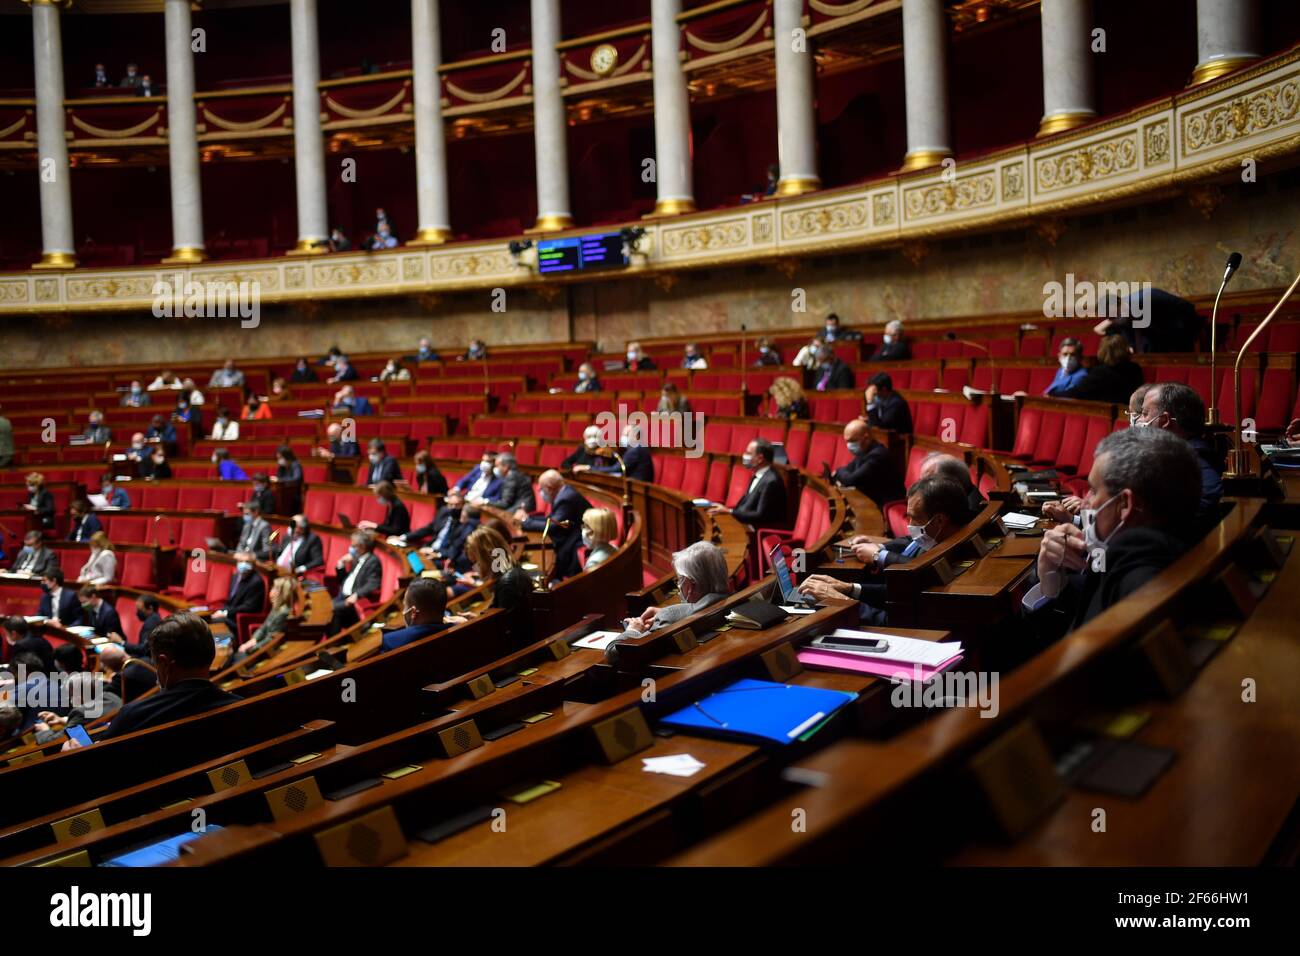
[[1239, 460], [1233, 262], [622, 467], [744, 369]]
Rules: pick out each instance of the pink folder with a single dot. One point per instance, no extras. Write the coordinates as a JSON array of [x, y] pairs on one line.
[[865, 665]]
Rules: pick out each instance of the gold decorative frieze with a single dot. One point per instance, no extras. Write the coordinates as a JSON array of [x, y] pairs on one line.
[[1241, 117], [884, 209], [1155, 140], [727, 234], [956, 194], [1013, 182], [824, 219], [1080, 164], [372, 272], [13, 291]]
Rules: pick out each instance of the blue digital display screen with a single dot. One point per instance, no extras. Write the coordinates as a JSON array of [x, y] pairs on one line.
[[601, 250]]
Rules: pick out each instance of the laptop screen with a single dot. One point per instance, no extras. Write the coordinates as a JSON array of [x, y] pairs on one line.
[[777, 557]]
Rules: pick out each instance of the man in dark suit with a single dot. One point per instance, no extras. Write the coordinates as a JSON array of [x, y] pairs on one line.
[[586, 452], [872, 470], [255, 534], [480, 482], [164, 432], [885, 407], [454, 551], [338, 446], [146, 612], [59, 601], [360, 576], [302, 550], [34, 558], [382, 466], [247, 591], [129, 675], [19, 637], [83, 521], [97, 433], [438, 533], [263, 494], [424, 608], [956, 471], [183, 651], [99, 614], [763, 504], [567, 508], [895, 347], [516, 489], [637, 463], [830, 373]]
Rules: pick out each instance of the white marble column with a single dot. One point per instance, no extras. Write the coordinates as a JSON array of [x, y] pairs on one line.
[[308, 146], [673, 174], [1068, 99], [550, 125], [430, 144], [182, 137], [795, 120], [925, 75], [1227, 37], [51, 145]]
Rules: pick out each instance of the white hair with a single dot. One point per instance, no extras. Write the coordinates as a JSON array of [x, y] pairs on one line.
[[705, 564]]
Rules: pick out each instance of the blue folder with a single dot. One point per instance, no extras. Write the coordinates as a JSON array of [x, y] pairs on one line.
[[157, 854], [762, 710]]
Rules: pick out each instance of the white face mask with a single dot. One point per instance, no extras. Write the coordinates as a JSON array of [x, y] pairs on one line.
[[1089, 518], [592, 443], [632, 356], [917, 533], [889, 339], [586, 537], [499, 472]]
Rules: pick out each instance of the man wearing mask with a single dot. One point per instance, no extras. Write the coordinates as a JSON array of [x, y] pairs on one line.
[[255, 533], [426, 352], [830, 373], [99, 614], [895, 347], [247, 592], [382, 466], [516, 489], [360, 577], [441, 531], [872, 470], [763, 504], [767, 355], [97, 433], [101, 77], [586, 452], [424, 608], [1142, 493], [162, 432], [885, 407], [637, 361], [302, 550], [637, 463], [1177, 408], [132, 79], [1071, 372], [263, 494], [146, 612], [114, 497], [57, 600], [136, 396], [481, 482], [694, 359], [567, 508], [587, 381], [34, 558], [338, 448], [936, 509], [83, 522], [183, 651]]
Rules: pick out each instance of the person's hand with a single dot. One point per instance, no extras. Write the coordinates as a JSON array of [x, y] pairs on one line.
[[351, 600], [346, 560], [634, 624], [1062, 550], [579, 469], [719, 510], [69, 744], [824, 587], [456, 619], [40, 727], [866, 552], [870, 394], [1063, 510], [1293, 433], [520, 514], [428, 553], [247, 646], [856, 540], [218, 615]]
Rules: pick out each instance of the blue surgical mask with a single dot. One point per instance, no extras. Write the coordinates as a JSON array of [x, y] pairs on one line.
[[855, 448], [547, 497], [248, 519], [243, 567]]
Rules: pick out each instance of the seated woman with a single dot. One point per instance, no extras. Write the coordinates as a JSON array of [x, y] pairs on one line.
[[599, 529], [512, 588], [101, 567], [255, 409], [276, 619], [702, 580], [287, 466], [394, 372], [788, 399], [397, 520], [428, 479], [672, 400]]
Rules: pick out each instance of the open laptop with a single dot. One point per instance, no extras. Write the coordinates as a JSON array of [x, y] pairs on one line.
[[346, 521], [785, 582]]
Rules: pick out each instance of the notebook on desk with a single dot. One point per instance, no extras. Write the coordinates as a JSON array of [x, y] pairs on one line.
[[760, 710]]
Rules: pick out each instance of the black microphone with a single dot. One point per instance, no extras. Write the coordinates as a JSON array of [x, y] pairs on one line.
[[1234, 263]]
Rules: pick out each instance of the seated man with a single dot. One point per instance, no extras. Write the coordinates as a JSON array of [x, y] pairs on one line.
[[438, 532], [885, 407], [255, 533], [302, 550], [567, 508], [585, 453], [516, 489], [383, 467], [1071, 372], [702, 580], [128, 675], [247, 591], [34, 558], [588, 382], [872, 470], [146, 612], [936, 509], [481, 482], [895, 347], [1179, 409], [183, 650], [59, 601], [955, 470], [99, 614], [423, 609], [1143, 492], [763, 504], [114, 497], [338, 447], [360, 576], [829, 372], [637, 463], [18, 635]]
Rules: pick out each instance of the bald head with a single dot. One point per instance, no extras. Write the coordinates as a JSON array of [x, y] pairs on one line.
[[857, 431], [947, 466], [550, 481], [112, 656]]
